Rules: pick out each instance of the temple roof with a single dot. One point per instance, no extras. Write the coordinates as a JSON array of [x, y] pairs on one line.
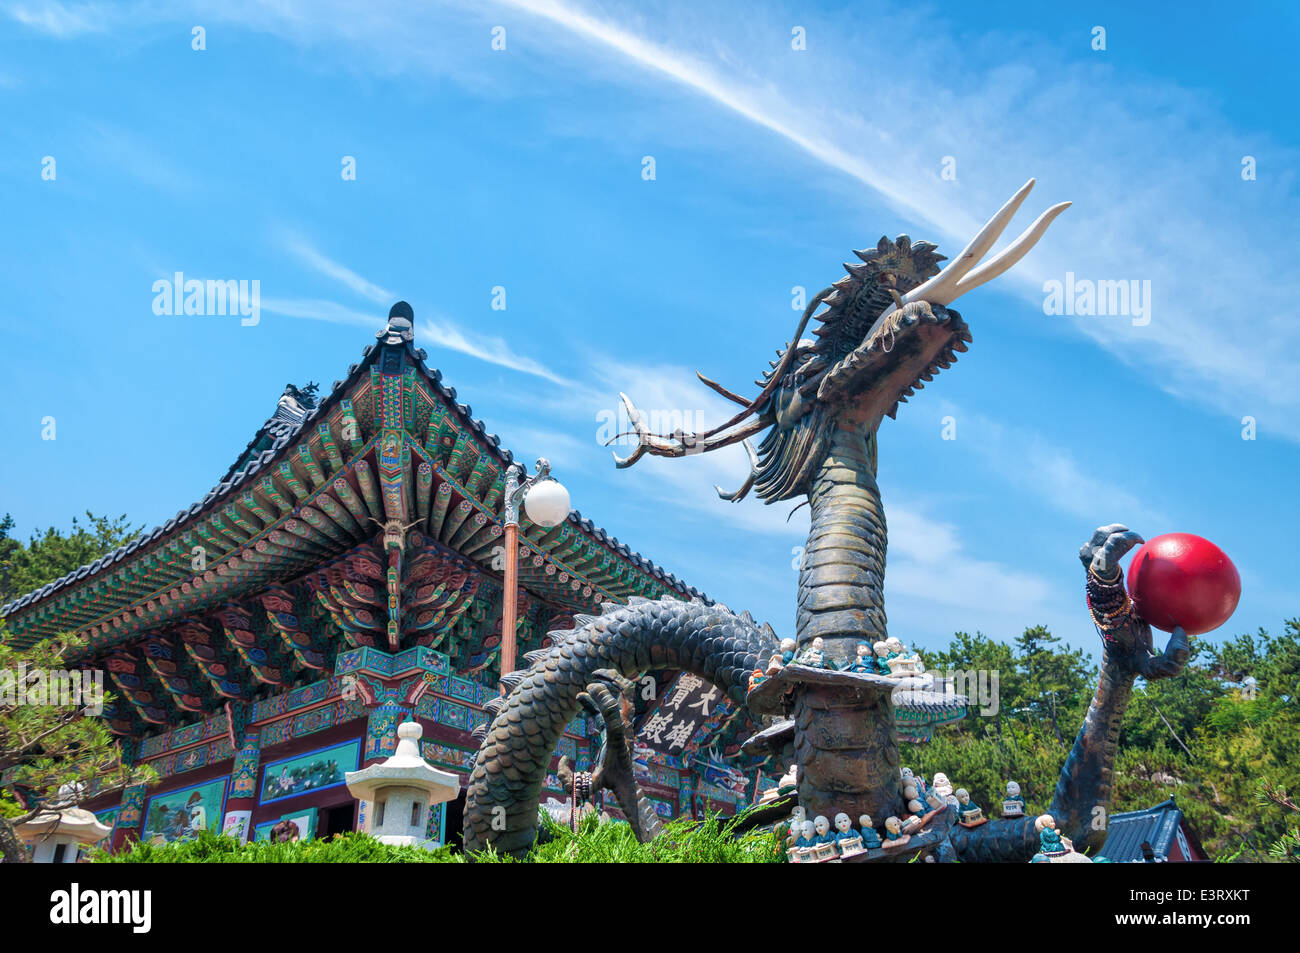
[[304, 446], [1158, 826]]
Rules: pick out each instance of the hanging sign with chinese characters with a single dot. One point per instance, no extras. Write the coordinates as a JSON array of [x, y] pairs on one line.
[[690, 704]]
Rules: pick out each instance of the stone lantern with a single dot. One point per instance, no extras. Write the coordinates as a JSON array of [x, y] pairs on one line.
[[58, 836], [401, 789]]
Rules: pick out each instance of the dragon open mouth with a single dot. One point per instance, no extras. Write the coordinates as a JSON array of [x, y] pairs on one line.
[[898, 358]]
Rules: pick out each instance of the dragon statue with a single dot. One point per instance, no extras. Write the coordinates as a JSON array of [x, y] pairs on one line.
[[887, 329]]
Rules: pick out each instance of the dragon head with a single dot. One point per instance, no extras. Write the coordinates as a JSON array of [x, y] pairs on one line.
[[885, 333]]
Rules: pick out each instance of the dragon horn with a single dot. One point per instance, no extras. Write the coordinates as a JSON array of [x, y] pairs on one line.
[[959, 278], [970, 256], [1009, 255]]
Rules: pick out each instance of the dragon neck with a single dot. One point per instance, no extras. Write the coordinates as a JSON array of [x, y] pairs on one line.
[[842, 574], [1085, 789]]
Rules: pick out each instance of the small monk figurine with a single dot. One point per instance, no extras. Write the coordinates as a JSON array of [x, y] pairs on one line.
[[881, 651], [915, 809], [935, 801], [1050, 841], [916, 780], [782, 657], [968, 812], [863, 663], [869, 836], [807, 836], [814, 656], [756, 678], [801, 848], [942, 785], [788, 784], [824, 842], [894, 836], [915, 806], [1013, 805], [848, 840], [787, 651], [794, 828], [901, 661]]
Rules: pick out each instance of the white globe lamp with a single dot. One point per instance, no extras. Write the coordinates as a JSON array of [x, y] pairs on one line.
[[547, 503]]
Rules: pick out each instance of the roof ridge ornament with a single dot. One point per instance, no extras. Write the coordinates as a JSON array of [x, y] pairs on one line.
[[401, 325], [293, 406]]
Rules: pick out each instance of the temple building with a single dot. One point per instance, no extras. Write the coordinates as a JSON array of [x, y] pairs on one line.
[[344, 575]]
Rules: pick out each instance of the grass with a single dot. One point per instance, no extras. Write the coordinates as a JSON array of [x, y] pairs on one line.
[[210, 848], [712, 841]]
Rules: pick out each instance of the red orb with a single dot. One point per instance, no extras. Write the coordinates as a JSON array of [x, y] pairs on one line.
[[1183, 579]]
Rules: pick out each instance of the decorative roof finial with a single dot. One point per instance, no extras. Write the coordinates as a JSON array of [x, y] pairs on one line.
[[401, 325]]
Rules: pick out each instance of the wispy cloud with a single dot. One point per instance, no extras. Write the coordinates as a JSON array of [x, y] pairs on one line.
[[64, 20], [313, 259], [929, 561], [316, 309], [140, 158], [488, 348], [753, 103], [440, 331], [1033, 464]]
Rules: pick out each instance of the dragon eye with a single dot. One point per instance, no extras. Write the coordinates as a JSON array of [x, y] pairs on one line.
[[887, 279]]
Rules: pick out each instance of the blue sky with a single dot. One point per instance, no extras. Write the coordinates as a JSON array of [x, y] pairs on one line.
[[522, 168]]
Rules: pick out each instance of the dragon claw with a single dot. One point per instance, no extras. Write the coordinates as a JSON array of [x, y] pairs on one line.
[[1108, 545], [1172, 660]]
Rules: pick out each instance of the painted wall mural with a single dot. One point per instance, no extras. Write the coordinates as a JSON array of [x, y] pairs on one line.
[[179, 815], [311, 772]]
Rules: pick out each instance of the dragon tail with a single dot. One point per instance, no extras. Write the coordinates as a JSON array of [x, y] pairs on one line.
[[506, 782]]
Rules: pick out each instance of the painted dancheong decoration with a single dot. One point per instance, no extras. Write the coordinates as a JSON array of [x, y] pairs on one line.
[[886, 331]]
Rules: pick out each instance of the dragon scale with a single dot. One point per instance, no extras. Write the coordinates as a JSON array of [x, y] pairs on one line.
[[841, 574]]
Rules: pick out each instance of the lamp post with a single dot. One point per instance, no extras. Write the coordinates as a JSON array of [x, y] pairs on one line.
[[546, 502]]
